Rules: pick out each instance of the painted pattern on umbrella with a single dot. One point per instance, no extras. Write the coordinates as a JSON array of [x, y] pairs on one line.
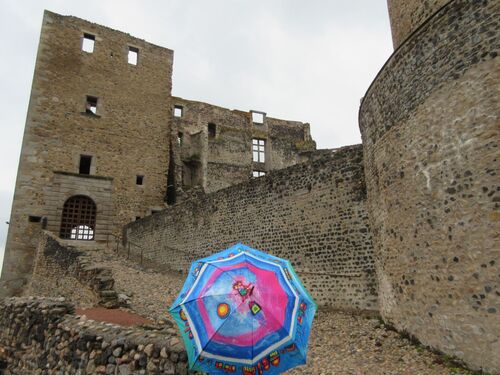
[[244, 311]]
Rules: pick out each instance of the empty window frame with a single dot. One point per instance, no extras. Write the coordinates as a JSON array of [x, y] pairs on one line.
[[178, 110], [139, 180], [258, 173], [179, 138], [91, 105], [85, 163], [212, 130], [133, 55], [259, 150], [258, 117], [88, 42]]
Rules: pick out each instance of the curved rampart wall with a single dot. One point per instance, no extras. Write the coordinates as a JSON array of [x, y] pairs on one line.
[[407, 15], [431, 133]]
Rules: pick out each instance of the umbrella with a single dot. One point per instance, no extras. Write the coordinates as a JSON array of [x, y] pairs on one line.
[[244, 311]]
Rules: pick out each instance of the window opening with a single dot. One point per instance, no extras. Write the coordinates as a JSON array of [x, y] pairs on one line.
[[259, 150], [91, 105], [85, 162], [78, 218], [179, 138], [258, 117], [137, 218], [258, 174], [178, 110], [139, 180], [212, 130], [133, 55], [34, 219], [171, 193], [88, 43]]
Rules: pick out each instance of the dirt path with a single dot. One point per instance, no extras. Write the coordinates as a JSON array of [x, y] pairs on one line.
[[115, 316]]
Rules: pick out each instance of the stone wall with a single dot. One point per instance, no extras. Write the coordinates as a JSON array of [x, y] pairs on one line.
[[60, 270], [407, 15], [41, 336], [128, 135], [224, 157], [65, 185], [430, 129], [312, 213]]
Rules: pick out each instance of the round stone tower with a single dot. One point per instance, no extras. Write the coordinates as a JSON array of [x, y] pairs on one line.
[[407, 15], [431, 132]]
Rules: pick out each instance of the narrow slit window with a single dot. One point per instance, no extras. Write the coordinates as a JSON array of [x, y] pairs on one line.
[[259, 150], [212, 130], [139, 180], [256, 174], [91, 105], [178, 111], [179, 138], [88, 42], [85, 163], [133, 55]]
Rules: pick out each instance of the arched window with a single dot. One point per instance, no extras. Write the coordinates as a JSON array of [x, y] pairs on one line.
[[78, 218]]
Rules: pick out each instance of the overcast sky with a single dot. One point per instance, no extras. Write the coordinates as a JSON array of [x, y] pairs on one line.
[[310, 61]]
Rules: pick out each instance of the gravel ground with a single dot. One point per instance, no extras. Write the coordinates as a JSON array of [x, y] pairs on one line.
[[341, 343]]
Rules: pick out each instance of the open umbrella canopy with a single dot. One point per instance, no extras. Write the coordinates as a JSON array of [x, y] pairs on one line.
[[244, 311]]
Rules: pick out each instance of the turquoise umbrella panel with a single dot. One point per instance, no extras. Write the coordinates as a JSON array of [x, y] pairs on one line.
[[246, 311]]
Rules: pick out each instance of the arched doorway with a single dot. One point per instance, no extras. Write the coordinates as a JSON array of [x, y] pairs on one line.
[[78, 218]]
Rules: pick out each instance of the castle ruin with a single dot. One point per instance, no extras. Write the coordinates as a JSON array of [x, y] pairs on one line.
[[406, 224]]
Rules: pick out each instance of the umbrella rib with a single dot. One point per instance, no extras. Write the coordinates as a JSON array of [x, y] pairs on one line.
[[213, 265], [221, 269], [276, 319], [218, 329], [202, 298]]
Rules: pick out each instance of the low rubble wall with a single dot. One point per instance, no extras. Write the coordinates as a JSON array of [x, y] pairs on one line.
[[42, 336]]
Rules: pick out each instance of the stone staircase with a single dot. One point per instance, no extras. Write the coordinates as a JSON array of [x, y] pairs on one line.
[[81, 259]]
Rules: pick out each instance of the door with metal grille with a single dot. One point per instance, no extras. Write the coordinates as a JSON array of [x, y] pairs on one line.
[[78, 218]]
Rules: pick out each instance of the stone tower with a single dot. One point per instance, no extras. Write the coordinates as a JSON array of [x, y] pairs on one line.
[[431, 131], [407, 15], [105, 143], [98, 122]]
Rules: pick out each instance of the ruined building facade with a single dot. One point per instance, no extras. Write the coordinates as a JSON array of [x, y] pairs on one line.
[[105, 143]]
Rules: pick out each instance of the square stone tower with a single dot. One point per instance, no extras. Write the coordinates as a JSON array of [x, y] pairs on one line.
[[96, 142]]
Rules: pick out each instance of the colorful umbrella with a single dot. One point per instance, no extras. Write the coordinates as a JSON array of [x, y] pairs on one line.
[[243, 311]]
